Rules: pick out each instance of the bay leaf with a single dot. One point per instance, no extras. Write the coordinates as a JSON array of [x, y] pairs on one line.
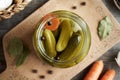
[[104, 27], [22, 57], [15, 46]]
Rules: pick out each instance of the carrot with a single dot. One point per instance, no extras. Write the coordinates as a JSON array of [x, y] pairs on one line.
[[95, 71], [53, 24], [109, 75]]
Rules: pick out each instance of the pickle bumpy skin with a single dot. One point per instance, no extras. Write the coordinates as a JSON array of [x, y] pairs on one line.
[[49, 43], [71, 50], [65, 34]]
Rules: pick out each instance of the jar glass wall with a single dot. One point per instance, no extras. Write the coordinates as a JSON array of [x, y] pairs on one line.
[[68, 44]]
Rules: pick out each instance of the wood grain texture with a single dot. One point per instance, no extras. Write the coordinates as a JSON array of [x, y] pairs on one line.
[[92, 13]]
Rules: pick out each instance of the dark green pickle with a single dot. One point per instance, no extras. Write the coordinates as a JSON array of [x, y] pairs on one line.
[[72, 49], [66, 46]]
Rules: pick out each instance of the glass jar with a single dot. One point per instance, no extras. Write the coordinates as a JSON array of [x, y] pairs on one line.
[[77, 44]]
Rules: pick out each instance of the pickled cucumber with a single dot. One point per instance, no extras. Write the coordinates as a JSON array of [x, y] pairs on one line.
[[72, 49], [49, 43], [65, 34], [56, 33]]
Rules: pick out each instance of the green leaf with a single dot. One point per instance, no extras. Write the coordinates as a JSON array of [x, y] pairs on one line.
[[15, 46], [104, 27], [22, 57]]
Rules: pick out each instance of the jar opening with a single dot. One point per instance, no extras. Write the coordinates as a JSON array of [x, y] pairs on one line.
[[82, 46]]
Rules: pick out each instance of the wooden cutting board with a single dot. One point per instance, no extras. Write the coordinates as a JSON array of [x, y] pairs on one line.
[[92, 13]]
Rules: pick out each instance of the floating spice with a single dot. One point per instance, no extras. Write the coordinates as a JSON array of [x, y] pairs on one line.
[[42, 38], [49, 23]]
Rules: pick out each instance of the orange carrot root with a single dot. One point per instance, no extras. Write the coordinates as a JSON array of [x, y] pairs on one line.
[[95, 71], [53, 24], [109, 75]]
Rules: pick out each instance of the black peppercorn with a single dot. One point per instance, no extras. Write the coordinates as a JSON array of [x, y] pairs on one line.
[[34, 71], [49, 23], [83, 3], [42, 38], [50, 72], [41, 76], [74, 7]]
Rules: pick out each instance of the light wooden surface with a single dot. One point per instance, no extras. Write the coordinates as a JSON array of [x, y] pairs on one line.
[[96, 12], [111, 54]]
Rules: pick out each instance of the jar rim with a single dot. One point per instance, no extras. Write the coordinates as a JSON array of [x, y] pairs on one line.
[[68, 14]]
